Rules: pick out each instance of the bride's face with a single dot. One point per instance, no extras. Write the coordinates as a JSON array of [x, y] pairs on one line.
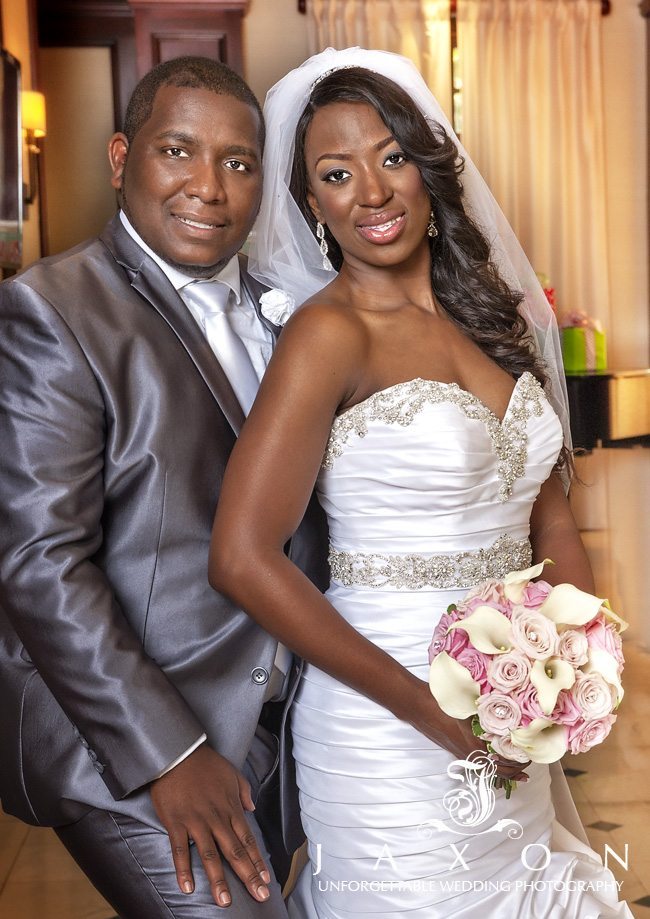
[[363, 187]]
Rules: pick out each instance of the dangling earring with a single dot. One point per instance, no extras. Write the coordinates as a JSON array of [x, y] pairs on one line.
[[432, 229], [320, 234]]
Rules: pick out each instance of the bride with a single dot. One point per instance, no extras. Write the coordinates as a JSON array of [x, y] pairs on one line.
[[419, 390]]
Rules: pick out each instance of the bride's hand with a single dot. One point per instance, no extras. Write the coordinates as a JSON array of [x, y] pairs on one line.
[[456, 735]]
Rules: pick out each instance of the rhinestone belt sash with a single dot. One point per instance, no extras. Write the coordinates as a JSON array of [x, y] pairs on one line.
[[415, 572]]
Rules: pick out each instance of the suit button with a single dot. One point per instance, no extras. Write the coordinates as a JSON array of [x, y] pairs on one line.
[[99, 767], [259, 675], [82, 740]]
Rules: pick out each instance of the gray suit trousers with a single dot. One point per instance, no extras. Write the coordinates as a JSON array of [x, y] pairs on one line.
[[130, 864]]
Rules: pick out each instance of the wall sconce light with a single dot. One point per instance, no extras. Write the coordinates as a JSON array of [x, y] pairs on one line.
[[33, 120]]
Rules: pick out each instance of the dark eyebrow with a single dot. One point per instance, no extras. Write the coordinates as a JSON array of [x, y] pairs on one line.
[[180, 137], [177, 136], [242, 151], [346, 156]]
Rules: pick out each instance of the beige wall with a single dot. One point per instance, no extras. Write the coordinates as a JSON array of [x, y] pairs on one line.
[[15, 32], [78, 88], [611, 509], [275, 41]]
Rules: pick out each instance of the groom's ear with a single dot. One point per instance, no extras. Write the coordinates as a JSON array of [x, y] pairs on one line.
[[313, 206]]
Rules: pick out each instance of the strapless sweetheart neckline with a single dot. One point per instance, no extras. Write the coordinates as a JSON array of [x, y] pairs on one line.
[[526, 375]]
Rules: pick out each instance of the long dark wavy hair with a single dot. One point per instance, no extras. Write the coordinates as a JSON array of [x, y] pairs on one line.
[[463, 278]]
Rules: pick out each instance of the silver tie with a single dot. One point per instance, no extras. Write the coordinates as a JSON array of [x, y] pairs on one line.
[[210, 300]]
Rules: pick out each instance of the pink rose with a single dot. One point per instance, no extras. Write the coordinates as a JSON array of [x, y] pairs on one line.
[[566, 711], [508, 671], [534, 634], [528, 702], [453, 614], [593, 695], [602, 634], [573, 647], [452, 642], [476, 662], [503, 746], [455, 642], [439, 636], [618, 645], [489, 593], [587, 734], [535, 594], [498, 713]]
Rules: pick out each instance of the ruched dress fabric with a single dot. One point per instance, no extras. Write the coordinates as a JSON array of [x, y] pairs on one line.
[[424, 469]]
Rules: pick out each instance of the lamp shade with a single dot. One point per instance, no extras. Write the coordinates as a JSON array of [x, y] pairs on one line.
[[33, 112]]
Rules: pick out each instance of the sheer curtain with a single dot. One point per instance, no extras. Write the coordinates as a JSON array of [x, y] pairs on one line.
[[418, 29], [533, 123]]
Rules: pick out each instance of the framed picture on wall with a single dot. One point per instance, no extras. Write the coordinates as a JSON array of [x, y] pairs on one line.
[[11, 184]]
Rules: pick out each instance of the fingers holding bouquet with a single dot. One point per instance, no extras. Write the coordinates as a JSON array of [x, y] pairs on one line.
[[534, 670], [508, 768], [459, 736]]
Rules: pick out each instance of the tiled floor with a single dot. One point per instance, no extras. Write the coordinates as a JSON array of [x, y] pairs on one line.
[[38, 880]]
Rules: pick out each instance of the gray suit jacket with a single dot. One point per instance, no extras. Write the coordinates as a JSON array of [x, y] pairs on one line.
[[116, 423]]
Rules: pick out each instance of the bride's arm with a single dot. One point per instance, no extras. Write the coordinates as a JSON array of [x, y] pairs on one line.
[[316, 367], [554, 534], [266, 488]]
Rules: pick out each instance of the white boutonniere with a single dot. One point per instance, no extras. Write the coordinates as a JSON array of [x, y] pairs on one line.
[[277, 305]]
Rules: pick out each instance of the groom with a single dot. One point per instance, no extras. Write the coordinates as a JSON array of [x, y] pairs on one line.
[[134, 698]]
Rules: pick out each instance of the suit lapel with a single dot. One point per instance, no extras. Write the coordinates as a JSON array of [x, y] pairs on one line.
[[150, 282]]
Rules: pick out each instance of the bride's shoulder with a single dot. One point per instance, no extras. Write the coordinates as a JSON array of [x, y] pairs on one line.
[[325, 320], [321, 354]]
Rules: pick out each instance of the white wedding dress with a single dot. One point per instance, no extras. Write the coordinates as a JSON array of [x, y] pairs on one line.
[[427, 493]]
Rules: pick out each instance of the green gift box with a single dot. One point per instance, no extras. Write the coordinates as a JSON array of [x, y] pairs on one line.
[[583, 349]]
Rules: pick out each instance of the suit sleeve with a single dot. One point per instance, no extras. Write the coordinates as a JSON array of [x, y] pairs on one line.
[[52, 440]]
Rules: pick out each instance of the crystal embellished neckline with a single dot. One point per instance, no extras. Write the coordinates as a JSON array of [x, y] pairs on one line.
[[454, 386], [402, 402]]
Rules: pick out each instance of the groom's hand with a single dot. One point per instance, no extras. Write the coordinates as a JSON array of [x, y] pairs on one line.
[[203, 799]]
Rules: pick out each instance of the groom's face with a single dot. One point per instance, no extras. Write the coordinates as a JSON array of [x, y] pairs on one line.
[[191, 180]]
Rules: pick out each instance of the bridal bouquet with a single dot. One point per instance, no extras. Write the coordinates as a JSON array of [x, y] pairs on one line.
[[538, 667]]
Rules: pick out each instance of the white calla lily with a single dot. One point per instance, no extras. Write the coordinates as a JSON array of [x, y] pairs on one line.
[[488, 629], [602, 662], [452, 687], [568, 605], [543, 741], [549, 677], [515, 582], [609, 613]]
